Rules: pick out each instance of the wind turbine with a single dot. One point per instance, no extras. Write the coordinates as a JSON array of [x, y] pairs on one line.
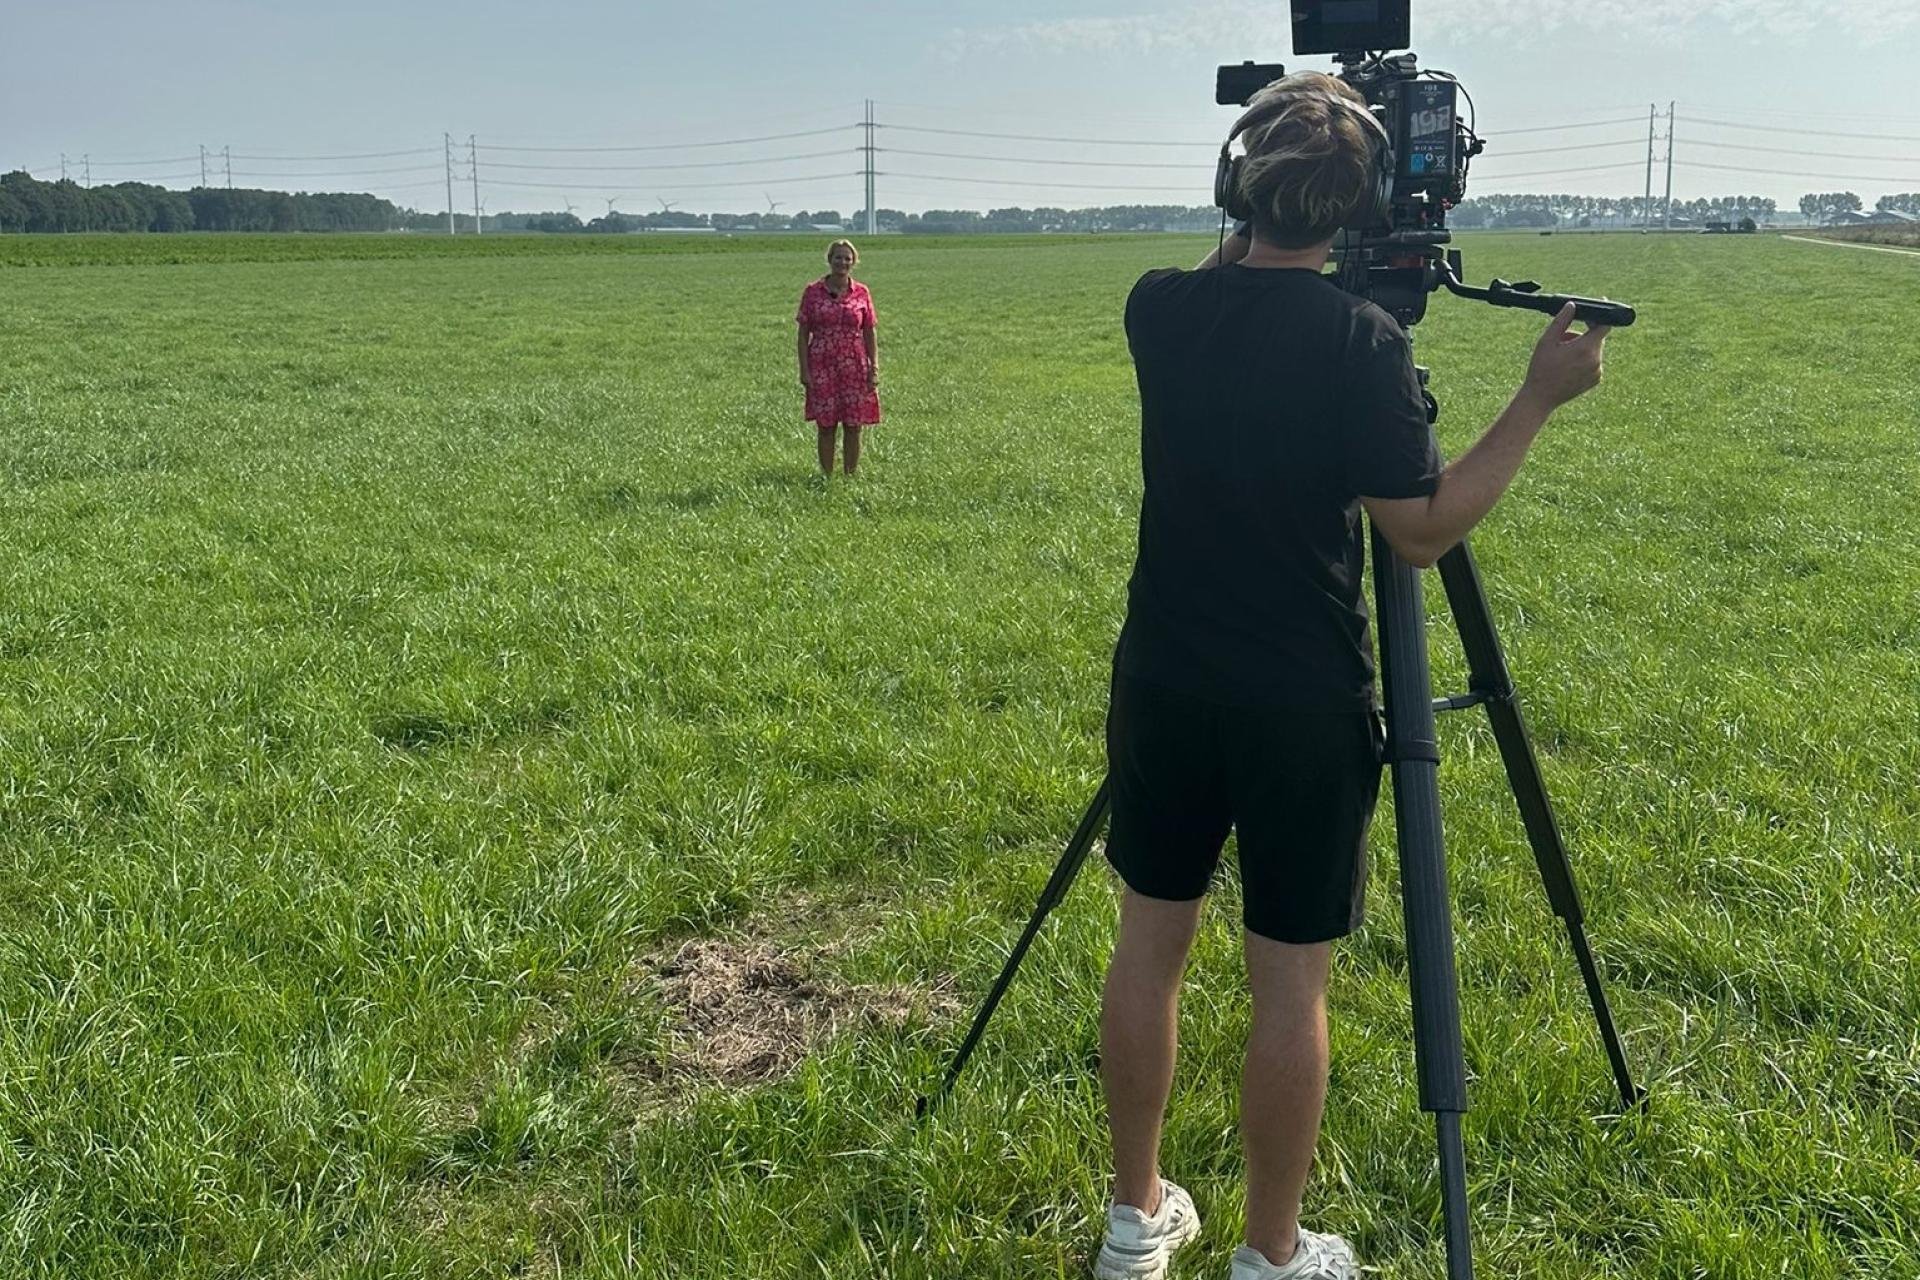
[[773, 206], [666, 206], [568, 203], [610, 200]]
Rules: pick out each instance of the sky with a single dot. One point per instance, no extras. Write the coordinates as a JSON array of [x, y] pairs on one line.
[[1773, 98]]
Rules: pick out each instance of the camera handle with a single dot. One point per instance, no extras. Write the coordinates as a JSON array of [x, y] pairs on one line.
[[1526, 293], [1398, 269]]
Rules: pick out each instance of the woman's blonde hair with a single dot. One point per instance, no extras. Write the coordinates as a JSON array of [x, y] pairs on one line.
[[1308, 169], [848, 246]]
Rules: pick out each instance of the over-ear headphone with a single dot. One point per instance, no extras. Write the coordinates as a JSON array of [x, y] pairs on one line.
[[1373, 211]]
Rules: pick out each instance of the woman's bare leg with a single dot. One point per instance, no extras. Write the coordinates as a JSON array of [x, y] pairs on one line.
[[826, 450], [852, 449]]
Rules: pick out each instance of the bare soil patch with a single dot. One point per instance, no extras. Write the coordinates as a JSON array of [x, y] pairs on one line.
[[746, 1008]]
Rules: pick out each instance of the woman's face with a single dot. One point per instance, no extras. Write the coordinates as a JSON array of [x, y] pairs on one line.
[[840, 262]]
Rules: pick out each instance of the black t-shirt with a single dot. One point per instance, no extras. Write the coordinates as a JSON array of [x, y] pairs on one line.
[[1270, 401]]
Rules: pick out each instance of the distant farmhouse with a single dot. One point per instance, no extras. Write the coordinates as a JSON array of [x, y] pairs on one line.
[[1878, 218]]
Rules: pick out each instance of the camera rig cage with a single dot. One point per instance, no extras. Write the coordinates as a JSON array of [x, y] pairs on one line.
[[1404, 256]]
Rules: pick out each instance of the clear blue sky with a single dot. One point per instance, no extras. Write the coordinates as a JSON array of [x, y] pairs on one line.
[[123, 82]]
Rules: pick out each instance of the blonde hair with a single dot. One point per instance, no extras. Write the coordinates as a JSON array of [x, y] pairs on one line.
[[848, 246], [1309, 169]]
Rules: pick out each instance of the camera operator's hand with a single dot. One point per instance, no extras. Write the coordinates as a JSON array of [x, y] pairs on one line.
[[1565, 365]]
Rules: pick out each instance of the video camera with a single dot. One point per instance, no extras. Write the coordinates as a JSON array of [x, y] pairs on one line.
[[1401, 258]]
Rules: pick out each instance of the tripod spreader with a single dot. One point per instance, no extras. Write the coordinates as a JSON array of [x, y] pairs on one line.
[[1526, 293]]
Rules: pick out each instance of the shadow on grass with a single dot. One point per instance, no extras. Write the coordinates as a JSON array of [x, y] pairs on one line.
[[417, 731]]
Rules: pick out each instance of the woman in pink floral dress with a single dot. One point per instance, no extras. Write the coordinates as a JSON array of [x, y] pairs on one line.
[[839, 358]]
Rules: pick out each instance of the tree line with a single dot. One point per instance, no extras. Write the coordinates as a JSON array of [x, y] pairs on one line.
[[1526, 210], [933, 221], [1827, 206], [28, 204]]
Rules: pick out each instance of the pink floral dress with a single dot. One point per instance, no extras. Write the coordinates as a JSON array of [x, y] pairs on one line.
[[837, 389]]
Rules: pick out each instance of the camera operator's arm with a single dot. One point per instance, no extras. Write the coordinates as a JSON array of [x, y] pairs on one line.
[[1421, 530], [1232, 249]]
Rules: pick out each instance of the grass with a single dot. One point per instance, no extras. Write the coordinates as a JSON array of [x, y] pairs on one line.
[[401, 655]]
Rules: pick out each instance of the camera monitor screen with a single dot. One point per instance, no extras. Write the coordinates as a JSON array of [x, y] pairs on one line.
[[1350, 26]]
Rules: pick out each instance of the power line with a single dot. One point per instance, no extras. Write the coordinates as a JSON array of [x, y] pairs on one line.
[[363, 155], [1551, 173], [335, 173], [1796, 114], [1808, 177], [1147, 142], [681, 186], [950, 110], [1100, 164], [548, 142], [688, 164], [688, 146], [1783, 151], [1554, 151], [149, 180], [1815, 133], [1007, 182], [1557, 128], [1034, 137], [133, 164]]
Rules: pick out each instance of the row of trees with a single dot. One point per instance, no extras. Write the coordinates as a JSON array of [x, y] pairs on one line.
[[1111, 218], [1526, 210], [27, 204], [1498, 210], [1827, 206], [1492, 211]]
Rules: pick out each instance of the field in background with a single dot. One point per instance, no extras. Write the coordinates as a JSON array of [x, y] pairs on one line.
[[433, 686]]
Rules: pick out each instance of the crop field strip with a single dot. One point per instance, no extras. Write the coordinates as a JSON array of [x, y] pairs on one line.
[[473, 802]]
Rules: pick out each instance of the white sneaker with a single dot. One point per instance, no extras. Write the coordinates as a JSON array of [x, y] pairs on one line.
[[1138, 1247], [1316, 1257]]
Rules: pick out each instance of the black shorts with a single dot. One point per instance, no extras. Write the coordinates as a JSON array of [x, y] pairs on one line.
[[1298, 788]]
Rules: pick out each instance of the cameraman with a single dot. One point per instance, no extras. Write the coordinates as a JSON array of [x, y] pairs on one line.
[[1274, 408]]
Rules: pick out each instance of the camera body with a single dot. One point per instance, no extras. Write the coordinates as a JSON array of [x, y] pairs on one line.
[[1418, 111], [1392, 252], [1431, 144], [1395, 253]]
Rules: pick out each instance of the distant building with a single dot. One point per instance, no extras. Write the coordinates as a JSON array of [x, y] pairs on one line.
[[1877, 218]]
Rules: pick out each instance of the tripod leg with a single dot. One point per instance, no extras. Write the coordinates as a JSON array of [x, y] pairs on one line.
[[1414, 755], [1491, 679], [1050, 897]]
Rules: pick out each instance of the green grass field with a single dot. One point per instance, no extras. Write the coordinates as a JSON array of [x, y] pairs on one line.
[[454, 753]]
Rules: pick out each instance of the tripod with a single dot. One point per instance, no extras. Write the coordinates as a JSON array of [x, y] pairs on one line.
[[1413, 757]]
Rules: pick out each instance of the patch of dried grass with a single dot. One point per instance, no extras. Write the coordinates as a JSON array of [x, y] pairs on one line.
[[745, 1009]]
